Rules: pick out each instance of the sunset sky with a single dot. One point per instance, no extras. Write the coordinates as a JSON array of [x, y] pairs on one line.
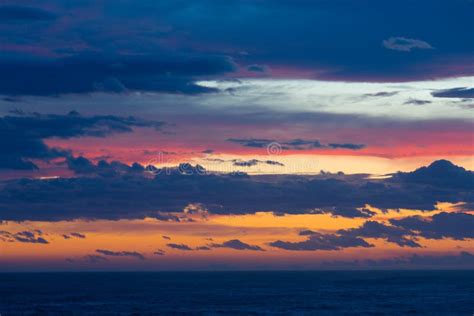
[[227, 135]]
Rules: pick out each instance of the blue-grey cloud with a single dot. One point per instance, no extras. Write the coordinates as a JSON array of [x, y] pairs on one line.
[[237, 245], [34, 237], [115, 74], [417, 102], [164, 28], [443, 225], [294, 144], [111, 253], [317, 241], [255, 162], [404, 44], [372, 229], [22, 136], [463, 92], [139, 195], [179, 246]]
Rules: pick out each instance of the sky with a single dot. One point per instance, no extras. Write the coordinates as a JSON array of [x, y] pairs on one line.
[[236, 135]]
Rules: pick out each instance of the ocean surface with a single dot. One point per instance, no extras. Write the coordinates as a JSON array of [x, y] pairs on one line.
[[245, 293]]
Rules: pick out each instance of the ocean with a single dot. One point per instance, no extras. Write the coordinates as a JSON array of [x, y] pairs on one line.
[[239, 293]]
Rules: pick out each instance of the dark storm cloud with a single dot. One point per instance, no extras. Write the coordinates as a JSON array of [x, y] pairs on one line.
[[133, 254], [179, 247], [22, 136], [237, 245], [294, 144], [317, 241], [139, 195], [91, 73], [444, 225], [34, 237], [159, 252], [464, 93], [16, 13]]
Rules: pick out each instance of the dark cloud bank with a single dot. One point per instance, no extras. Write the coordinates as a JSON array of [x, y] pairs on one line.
[[115, 191]]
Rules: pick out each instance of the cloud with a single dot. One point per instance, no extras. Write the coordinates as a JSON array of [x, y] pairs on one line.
[[179, 246], [128, 196], [317, 241], [404, 44], [443, 225], [16, 13], [174, 33], [372, 229], [111, 253], [237, 245], [381, 94], [441, 173], [294, 144], [77, 235], [255, 162], [94, 259], [34, 237], [113, 74], [404, 232], [203, 248], [159, 252], [81, 165], [347, 146], [463, 92], [417, 102], [22, 136]]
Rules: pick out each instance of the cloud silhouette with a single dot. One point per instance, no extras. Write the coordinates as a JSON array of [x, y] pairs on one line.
[[237, 245], [111, 253], [318, 241], [294, 144], [33, 237], [179, 246], [22, 136], [137, 195]]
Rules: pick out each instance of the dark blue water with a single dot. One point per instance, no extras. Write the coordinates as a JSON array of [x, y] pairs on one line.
[[224, 293]]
